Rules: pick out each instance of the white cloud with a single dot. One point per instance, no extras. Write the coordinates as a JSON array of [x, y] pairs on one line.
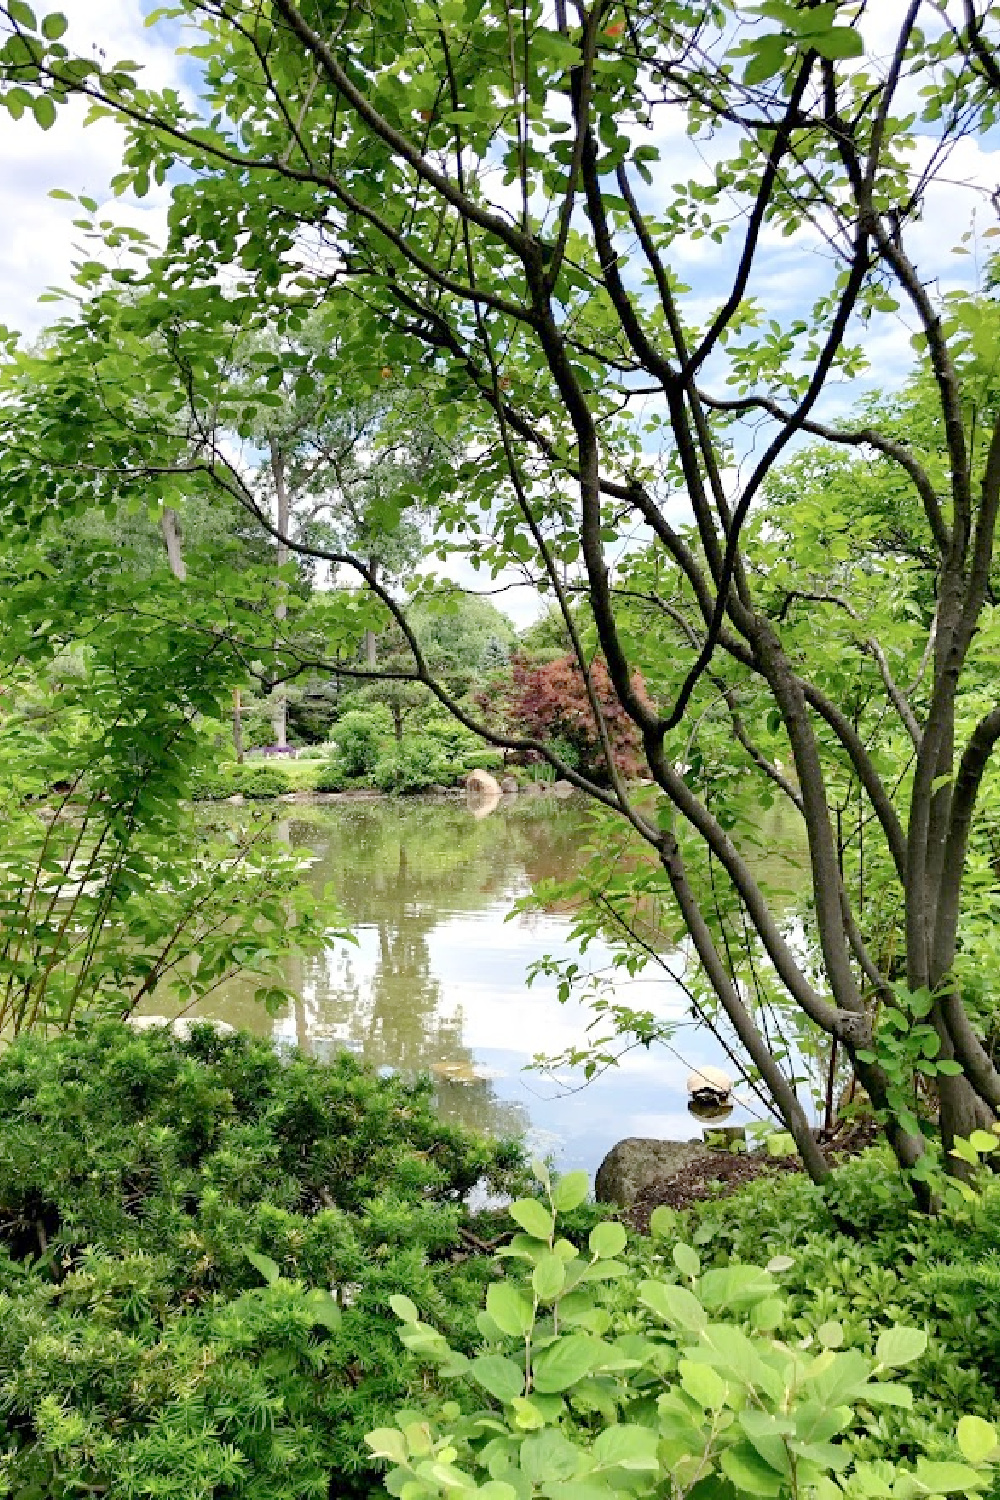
[[40, 240]]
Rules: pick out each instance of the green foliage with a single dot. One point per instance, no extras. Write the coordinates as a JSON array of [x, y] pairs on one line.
[[359, 737], [419, 762], [593, 1382], [148, 1187], [251, 779], [855, 1260]]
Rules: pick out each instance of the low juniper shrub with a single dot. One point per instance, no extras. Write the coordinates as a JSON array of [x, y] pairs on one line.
[[198, 1243]]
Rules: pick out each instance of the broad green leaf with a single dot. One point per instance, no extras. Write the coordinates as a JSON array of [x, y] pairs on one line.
[[547, 1457], [900, 1346], [532, 1216], [703, 1384], [627, 1446], [570, 1191], [268, 1268], [607, 1240], [404, 1308], [949, 1478], [674, 1304], [743, 1465], [510, 1309], [565, 1362], [661, 1222], [687, 1261], [323, 1308], [767, 1434], [388, 1442], [977, 1439], [549, 1277], [735, 1286], [838, 42], [501, 1377]]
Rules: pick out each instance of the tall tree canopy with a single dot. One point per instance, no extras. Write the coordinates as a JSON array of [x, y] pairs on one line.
[[480, 201]]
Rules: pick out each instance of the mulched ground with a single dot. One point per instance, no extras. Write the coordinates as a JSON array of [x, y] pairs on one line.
[[724, 1173]]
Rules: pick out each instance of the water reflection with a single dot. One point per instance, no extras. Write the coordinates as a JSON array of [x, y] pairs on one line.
[[436, 982]]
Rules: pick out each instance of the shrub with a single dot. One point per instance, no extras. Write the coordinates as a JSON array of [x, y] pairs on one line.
[[483, 759], [143, 1350], [702, 1390], [860, 1258], [256, 781], [413, 766], [333, 777], [360, 737]]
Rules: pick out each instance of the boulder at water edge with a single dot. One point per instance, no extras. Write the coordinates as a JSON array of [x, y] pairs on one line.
[[509, 786], [637, 1162], [482, 784]]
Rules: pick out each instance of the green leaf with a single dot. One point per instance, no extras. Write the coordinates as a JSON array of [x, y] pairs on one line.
[[22, 15], [900, 1346], [767, 1434], [404, 1308], [661, 1222], [510, 1309], [687, 1261], [743, 1465], [388, 1442], [44, 111], [532, 1216], [268, 1268], [838, 42], [570, 1191], [54, 26], [547, 1457], [948, 1478], [703, 1384], [977, 1439], [549, 1277], [607, 1240], [323, 1308], [563, 1363], [768, 58], [735, 1286], [627, 1446], [501, 1377], [674, 1304]]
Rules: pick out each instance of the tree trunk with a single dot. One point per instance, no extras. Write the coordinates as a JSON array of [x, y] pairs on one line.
[[170, 527], [279, 697], [238, 726], [397, 722], [371, 644]]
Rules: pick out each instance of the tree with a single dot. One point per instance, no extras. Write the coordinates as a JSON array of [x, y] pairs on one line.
[[599, 400], [550, 702]]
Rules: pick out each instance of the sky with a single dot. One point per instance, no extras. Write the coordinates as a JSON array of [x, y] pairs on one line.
[[40, 240]]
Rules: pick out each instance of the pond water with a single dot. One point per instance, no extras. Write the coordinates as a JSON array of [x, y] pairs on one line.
[[436, 982]]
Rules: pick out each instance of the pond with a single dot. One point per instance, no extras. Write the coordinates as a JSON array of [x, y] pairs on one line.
[[436, 982]]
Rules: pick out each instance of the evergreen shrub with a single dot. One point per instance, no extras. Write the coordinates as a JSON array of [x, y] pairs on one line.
[[256, 781], [173, 1215]]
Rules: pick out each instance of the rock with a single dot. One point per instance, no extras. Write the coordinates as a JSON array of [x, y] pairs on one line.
[[236, 799], [180, 1026], [533, 789], [437, 790], [510, 785], [563, 789], [636, 1162], [482, 784]]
